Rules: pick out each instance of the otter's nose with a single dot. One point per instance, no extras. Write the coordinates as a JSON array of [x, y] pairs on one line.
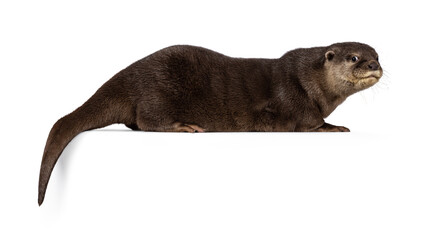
[[373, 65]]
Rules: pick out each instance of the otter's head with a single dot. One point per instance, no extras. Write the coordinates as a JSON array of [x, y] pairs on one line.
[[351, 67]]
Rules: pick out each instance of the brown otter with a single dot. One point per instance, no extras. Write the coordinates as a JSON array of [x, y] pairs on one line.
[[192, 89]]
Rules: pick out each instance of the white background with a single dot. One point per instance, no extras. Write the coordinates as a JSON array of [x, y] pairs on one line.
[[118, 184]]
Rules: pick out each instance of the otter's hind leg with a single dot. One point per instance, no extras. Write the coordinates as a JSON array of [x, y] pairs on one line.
[[158, 113], [133, 126], [160, 122], [183, 127], [326, 127], [173, 127]]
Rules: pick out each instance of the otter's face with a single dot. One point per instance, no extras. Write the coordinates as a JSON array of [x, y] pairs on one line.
[[353, 69]]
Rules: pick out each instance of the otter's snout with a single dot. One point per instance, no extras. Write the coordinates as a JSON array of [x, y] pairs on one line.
[[373, 65]]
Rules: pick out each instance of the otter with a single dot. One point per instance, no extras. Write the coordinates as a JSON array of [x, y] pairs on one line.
[[193, 89]]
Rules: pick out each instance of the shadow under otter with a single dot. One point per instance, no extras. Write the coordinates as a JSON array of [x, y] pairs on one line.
[[193, 89]]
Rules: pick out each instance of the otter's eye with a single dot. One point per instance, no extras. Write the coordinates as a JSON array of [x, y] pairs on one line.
[[377, 58], [354, 58]]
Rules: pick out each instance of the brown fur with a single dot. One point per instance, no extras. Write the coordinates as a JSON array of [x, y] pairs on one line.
[[192, 89]]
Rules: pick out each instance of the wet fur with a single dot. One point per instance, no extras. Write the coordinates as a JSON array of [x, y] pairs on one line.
[[186, 88]]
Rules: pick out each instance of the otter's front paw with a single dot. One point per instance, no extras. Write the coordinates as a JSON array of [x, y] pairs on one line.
[[331, 128]]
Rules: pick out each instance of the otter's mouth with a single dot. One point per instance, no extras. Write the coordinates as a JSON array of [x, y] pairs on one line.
[[369, 80], [364, 80], [371, 74]]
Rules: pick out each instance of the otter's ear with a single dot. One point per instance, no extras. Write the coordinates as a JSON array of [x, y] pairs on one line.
[[329, 55]]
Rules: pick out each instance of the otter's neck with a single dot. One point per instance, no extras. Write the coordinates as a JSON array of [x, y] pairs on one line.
[[321, 94], [305, 67]]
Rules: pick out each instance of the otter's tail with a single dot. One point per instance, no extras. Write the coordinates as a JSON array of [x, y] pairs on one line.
[[102, 109]]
